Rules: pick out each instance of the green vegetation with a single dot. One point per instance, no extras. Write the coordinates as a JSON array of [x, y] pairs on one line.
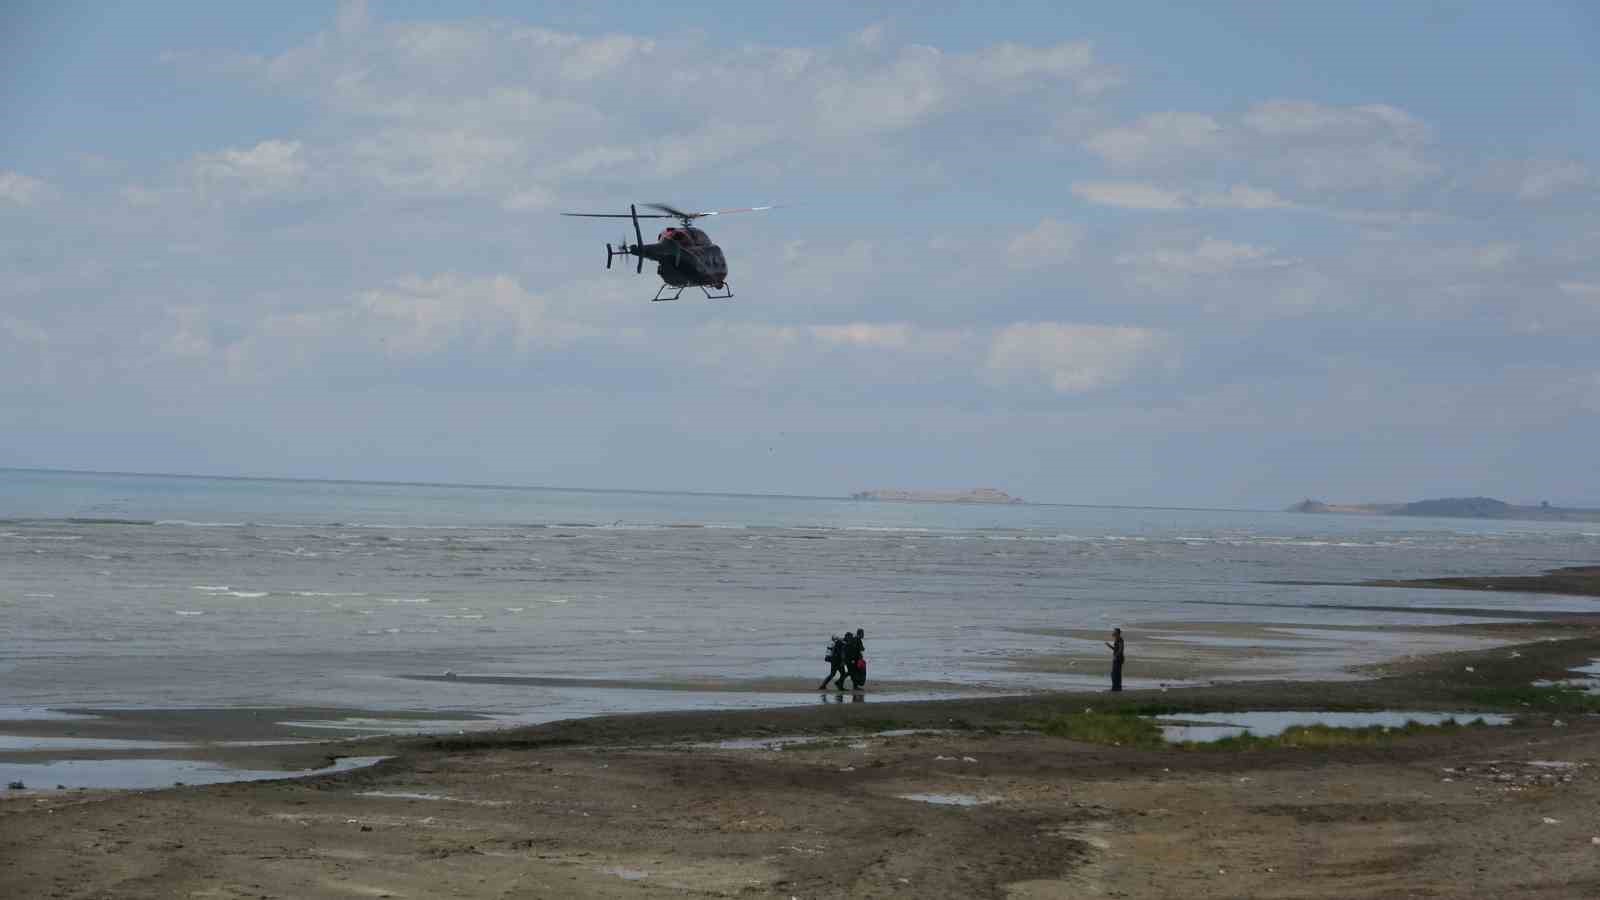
[[1134, 728], [1120, 729], [1551, 699], [1316, 736]]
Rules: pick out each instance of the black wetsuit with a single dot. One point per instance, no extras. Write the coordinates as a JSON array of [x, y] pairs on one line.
[[852, 652], [836, 655], [1116, 664]]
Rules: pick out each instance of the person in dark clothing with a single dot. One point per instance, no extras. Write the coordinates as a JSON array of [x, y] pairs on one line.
[[858, 667], [835, 658], [1116, 658], [852, 652]]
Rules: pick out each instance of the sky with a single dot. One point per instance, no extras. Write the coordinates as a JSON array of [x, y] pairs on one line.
[[1222, 254]]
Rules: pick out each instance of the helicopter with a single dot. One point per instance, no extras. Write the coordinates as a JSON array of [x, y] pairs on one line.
[[684, 254]]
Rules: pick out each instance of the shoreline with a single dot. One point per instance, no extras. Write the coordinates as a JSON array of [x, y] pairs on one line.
[[948, 798], [875, 796], [1574, 581]]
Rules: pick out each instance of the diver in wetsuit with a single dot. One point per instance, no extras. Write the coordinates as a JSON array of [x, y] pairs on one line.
[[835, 658]]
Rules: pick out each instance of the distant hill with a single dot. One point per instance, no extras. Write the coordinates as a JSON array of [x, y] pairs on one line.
[[976, 495], [1454, 508]]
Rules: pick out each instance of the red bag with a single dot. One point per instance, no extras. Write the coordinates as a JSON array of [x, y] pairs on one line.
[[861, 663]]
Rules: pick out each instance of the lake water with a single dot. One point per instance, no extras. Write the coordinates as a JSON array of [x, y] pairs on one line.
[[131, 590]]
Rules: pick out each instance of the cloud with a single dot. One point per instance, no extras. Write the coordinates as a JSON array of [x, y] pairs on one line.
[[1072, 359], [1210, 257], [20, 189], [1049, 243], [1129, 195], [1304, 119], [1304, 144], [475, 108], [423, 315], [1334, 148], [1546, 180], [1143, 195], [268, 167], [1159, 138]]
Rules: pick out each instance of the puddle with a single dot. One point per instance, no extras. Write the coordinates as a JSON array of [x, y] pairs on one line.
[[951, 799], [147, 774], [1589, 684], [413, 795], [1208, 727], [626, 874], [769, 743], [18, 742], [38, 714], [778, 743]]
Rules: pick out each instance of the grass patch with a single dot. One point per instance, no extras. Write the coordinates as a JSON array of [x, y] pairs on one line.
[[1322, 736], [1116, 729], [1552, 699]]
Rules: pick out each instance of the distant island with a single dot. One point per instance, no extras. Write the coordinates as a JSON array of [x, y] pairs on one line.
[[976, 495], [1454, 508]]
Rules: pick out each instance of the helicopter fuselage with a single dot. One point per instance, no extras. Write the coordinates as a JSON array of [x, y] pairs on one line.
[[685, 256]]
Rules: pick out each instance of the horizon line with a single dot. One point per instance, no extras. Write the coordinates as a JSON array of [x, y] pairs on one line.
[[594, 490]]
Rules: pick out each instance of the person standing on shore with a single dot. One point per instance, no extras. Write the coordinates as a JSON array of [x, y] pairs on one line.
[[1116, 646], [858, 670]]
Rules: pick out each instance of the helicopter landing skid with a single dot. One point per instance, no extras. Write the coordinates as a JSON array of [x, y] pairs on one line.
[[727, 292]]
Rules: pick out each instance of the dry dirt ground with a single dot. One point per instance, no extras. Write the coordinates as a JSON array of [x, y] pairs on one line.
[[659, 806]]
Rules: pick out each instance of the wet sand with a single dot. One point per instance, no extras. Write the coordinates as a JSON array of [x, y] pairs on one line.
[[952, 798], [1577, 581], [650, 806]]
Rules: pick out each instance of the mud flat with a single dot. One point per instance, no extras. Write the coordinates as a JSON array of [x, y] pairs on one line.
[[955, 798], [1578, 581]]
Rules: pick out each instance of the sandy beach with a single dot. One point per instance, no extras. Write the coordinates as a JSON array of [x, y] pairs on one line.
[[860, 796]]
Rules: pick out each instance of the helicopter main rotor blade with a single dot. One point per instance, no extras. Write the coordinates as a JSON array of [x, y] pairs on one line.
[[672, 212], [718, 212], [615, 216]]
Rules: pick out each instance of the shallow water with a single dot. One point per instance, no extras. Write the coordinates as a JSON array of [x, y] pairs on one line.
[[1271, 723], [192, 592], [145, 774], [951, 799]]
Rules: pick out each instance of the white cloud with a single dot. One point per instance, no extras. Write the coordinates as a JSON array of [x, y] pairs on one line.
[[1315, 146], [1543, 181], [268, 167], [1047, 244], [1143, 195], [423, 315], [1211, 256], [1159, 138], [471, 107], [1339, 148], [1129, 195], [1304, 119], [868, 335], [1072, 359], [23, 190], [528, 199]]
